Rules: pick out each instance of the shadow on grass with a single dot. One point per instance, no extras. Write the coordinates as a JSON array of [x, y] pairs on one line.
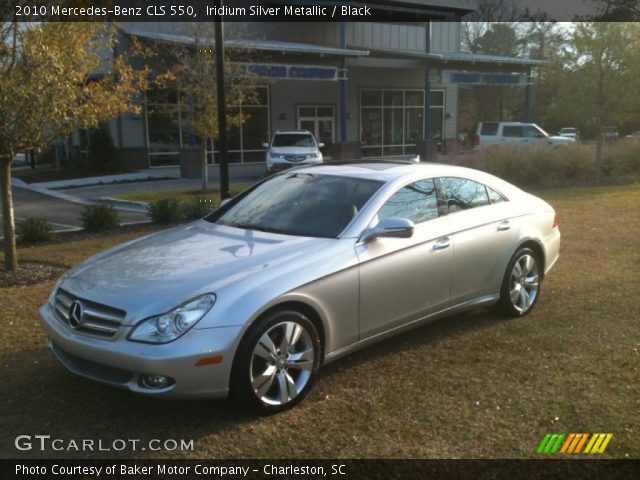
[[41, 397], [429, 333]]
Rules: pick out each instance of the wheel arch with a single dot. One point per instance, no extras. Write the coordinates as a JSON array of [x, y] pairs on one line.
[[295, 304]]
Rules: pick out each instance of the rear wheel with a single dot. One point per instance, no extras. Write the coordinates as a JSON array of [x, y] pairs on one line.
[[276, 362], [521, 283]]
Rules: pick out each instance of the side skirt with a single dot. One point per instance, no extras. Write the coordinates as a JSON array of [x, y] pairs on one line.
[[462, 307]]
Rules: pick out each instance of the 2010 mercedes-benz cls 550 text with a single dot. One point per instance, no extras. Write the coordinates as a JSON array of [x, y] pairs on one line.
[[296, 271]]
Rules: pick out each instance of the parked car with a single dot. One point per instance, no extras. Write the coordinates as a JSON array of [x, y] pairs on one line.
[[634, 135], [290, 148], [297, 271], [610, 133], [19, 160], [516, 134], [569, 132]]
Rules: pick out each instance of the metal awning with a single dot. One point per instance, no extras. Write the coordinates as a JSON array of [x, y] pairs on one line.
[[463, 57], [262, 45]]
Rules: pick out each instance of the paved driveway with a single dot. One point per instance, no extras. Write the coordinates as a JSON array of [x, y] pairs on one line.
[[61, 214]]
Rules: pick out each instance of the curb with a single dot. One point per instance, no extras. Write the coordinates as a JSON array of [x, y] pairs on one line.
[[125, 205], [118, 204]]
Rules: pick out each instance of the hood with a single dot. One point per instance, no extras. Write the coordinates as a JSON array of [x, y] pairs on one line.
[[158, 272], [294, 150]]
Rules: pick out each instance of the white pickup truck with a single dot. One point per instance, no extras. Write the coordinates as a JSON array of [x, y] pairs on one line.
[[516, 134]]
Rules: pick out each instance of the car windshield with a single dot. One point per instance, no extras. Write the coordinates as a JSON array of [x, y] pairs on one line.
[[303, 204], [293, 140]]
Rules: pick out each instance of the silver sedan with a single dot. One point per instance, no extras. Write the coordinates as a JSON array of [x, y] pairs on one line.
[[297, 271]]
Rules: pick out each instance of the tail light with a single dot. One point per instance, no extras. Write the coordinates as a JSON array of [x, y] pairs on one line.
[[555, 220], [476, 139]]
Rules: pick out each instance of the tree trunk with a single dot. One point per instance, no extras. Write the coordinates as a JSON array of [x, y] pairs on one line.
[[205, 171], [10, 253]]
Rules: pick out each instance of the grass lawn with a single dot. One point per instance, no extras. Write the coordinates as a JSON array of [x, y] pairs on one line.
[[183, 194], [475, 385]]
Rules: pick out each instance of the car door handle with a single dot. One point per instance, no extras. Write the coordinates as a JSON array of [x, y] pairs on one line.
[[502, 226], [441, 243]]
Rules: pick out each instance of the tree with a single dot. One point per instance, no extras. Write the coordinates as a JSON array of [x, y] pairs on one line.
[[596, 77], [189, 70], [56, 78], [478, 23], [618, 10]]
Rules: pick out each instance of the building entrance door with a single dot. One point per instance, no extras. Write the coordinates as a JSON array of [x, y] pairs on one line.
[[319, 120]]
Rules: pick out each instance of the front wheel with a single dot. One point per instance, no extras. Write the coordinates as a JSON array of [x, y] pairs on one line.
[[521, 283], [276, 362]]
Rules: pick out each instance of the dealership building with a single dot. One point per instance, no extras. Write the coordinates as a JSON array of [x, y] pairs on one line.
[[359, 87]]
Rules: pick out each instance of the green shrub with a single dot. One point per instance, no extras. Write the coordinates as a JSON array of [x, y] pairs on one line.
[[35, 230], [196, 208], [97, 218], [165, 210]]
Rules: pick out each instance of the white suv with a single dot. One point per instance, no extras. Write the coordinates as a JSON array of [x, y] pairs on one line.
[[290, 148], [516, 134]]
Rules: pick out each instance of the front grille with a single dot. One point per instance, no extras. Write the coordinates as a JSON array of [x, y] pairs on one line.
[[91, 369], [96, 319], [295, 158]]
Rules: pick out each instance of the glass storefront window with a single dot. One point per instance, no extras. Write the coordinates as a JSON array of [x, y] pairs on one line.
[[371, 98], [164, 129], [413, 125], [392, 120], [167, 120]]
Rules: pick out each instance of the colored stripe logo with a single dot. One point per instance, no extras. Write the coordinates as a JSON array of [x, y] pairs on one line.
[[574, 443]]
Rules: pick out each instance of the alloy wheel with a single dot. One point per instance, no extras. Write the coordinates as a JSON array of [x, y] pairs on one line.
[[282, 363], [524, 283]]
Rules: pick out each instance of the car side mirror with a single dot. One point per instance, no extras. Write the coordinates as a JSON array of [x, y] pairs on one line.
[[390, 227], [265, 145], [321, 145]]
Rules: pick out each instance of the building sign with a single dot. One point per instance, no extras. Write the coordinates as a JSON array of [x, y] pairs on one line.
[[480, 78], [292, 72]]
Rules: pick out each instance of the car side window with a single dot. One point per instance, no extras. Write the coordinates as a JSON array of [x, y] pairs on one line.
[[489, 128], [462, 194], [512, 131], [494, 196], [418, 202]]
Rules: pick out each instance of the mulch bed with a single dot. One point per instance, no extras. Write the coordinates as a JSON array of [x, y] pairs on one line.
[[30, 274]]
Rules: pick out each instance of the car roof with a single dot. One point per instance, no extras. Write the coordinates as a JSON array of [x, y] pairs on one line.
[[387, 172], [293, 132]]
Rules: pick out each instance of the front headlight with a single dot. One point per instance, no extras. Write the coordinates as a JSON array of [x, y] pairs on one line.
[[171, 325], [313, 155], [277, 155]]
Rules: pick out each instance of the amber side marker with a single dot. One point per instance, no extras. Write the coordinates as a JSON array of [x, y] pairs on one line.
[[209, 360]]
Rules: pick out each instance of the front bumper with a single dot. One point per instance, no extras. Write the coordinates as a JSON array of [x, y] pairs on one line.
[[122, 363]]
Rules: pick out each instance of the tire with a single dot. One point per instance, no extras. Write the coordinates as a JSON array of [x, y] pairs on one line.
[[520, 288], [265, 378]]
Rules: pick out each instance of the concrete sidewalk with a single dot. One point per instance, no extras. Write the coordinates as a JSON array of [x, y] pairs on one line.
[[62, 214], [99, 190], [141, 176]]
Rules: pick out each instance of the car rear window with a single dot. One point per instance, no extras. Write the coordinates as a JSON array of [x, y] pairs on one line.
[[489, 128]]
